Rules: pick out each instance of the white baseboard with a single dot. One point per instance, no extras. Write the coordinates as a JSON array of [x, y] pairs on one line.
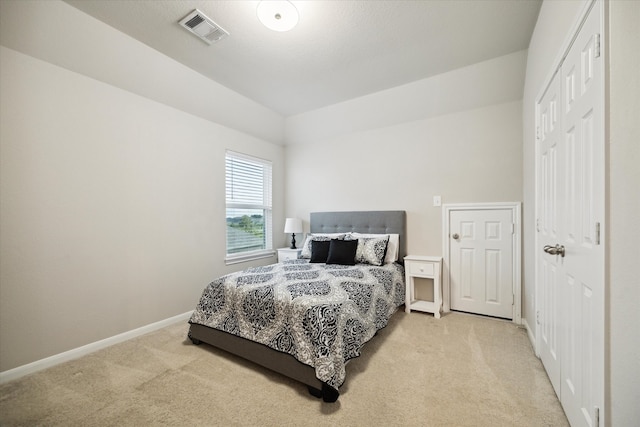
[[532, 337], [48, 362]]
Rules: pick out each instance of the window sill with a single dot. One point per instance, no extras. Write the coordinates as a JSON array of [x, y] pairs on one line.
[[237, 259]]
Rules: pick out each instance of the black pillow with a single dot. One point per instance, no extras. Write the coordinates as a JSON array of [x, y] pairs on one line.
[[319, 250], [342, 252]]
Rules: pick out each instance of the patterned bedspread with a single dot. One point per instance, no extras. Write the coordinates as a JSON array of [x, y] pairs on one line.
[[320, 314]]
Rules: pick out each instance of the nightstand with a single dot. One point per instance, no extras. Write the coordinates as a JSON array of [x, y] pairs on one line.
[[428, 267], [288, 253]]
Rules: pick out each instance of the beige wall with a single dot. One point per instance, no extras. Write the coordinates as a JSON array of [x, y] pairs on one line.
[[623, 328], [111, 208], [472, 155]]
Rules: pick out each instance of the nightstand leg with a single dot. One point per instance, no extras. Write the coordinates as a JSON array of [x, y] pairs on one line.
[[408, 294], [437, 296]]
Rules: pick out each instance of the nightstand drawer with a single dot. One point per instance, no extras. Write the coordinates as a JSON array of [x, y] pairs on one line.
[[288, 255], [420, 268], [285, 254]]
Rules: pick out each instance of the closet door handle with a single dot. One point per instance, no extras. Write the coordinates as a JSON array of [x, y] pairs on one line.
[[554, 250]]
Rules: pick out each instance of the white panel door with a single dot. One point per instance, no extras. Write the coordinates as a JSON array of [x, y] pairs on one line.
[[583, 181], [481, 261], [550, 195], [570, 209]]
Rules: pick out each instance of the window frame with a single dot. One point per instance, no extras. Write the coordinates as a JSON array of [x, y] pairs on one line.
[[266, 207]]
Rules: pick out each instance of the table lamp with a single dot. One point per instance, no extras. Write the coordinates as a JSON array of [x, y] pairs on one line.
[[293, 226]]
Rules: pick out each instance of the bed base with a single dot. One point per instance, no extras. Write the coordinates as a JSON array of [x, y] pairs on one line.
[[262, 355]]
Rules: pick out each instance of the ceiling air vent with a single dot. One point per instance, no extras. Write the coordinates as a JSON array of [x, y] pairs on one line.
[[203, 27]]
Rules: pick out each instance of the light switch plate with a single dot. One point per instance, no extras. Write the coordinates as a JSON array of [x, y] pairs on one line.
[[437, 201]]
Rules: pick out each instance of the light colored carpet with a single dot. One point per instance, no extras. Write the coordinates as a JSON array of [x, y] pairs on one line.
[[460, 370]]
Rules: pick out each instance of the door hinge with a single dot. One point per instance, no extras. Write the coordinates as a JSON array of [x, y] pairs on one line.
[[597, 241], [538, 225], [537, 132], [538, 317], [596, 416], [513, 228], [597, 46]]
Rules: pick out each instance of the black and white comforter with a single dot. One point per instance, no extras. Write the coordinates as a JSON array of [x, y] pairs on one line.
[[319, 313]]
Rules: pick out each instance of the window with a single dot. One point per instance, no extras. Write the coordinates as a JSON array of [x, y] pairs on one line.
[[248, 203]]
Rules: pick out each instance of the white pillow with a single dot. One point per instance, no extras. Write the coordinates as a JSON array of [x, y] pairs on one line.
[[392, 247], [306, 248]]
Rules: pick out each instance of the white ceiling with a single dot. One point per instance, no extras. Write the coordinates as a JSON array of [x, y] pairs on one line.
[[340, 49]]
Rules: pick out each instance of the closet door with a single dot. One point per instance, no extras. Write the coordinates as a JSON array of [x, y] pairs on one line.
[[570, 206], [583, 181], [550, 196]]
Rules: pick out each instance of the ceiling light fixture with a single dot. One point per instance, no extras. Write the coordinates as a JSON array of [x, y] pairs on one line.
[[277, 15]]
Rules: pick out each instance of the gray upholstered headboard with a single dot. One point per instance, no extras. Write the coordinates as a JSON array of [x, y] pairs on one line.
[[378, 222]]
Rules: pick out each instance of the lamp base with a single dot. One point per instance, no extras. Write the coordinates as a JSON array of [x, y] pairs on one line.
[[293, 241]]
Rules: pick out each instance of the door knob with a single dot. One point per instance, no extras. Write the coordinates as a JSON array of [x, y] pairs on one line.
[[456, 236], [554, 250]]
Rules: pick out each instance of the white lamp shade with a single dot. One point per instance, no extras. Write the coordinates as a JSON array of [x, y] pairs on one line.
[[293, 225], [277, 15]]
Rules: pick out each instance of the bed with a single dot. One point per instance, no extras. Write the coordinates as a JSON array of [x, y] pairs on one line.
[[306, 318]]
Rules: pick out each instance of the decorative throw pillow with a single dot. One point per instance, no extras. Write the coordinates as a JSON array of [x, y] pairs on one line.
[[319, 250], [342, 252], [392, 245], [306, 248], [372, 250]]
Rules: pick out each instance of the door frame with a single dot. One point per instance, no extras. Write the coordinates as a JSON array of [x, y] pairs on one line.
[[516, 242]]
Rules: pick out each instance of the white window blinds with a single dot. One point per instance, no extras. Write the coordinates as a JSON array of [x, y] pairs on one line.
[[248, 204]]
